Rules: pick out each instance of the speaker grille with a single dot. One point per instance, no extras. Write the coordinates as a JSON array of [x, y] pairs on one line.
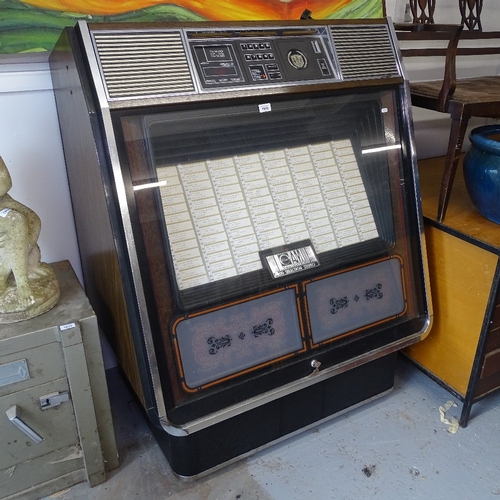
[[364, 52], [143, 64]]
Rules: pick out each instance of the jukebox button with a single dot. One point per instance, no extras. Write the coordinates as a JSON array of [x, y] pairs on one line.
[[257, 72], [323, 66]]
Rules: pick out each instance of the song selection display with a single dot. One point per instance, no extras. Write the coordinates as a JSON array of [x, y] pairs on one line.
[[221, 212]]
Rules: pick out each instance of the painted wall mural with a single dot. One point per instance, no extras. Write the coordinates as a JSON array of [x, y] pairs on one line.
[[36, 25]]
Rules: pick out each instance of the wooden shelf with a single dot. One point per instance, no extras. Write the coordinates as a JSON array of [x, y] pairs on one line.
[[461, 215]]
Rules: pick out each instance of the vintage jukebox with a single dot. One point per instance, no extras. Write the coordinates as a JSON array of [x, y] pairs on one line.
[[247, 210]]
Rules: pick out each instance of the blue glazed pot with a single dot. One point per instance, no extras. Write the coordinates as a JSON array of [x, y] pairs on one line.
[[482, 171]]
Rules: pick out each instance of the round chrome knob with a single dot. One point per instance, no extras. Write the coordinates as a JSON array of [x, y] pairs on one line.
[[315, 364]]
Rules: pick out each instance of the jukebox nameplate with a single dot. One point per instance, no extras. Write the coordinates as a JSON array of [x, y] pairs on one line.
[[292, 259]]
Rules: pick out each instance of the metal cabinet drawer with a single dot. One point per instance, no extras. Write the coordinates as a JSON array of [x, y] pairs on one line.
[[43, 364], [56, 425]]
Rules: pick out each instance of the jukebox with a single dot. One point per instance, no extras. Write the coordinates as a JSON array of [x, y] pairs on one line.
[[247, 211]]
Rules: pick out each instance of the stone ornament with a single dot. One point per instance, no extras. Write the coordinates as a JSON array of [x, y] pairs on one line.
[[28, 287]]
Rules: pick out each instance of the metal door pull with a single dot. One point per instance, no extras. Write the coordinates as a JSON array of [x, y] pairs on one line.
[[13, 414]]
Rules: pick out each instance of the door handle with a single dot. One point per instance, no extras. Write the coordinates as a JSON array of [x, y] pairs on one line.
[[13, 414]]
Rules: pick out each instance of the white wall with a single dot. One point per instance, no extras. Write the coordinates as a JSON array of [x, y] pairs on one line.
[[31, 147]]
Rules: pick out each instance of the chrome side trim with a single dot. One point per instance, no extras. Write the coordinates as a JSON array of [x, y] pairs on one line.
[[125, 215], [408, 118]]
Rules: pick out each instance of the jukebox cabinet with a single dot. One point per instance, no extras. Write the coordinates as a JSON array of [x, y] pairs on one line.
[[247, 211]]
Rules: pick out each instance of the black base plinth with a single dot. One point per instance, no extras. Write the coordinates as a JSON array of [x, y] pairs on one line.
[[198, 453]]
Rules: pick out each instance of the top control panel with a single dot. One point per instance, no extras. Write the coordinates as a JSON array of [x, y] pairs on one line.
[[137, 63], [226, 62]]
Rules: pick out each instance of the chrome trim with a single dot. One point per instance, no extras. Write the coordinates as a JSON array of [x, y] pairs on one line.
[[408, 118], [397, 50], [127, 224], [333, 53], [190, 61], [314, 377]]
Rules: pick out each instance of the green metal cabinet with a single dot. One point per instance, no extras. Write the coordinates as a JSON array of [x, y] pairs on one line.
[[56, 428]]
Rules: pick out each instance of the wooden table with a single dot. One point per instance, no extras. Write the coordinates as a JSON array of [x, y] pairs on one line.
[[462, 350]]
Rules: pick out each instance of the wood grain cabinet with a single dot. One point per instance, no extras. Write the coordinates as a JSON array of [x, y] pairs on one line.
[[56, 428], [462, 350]]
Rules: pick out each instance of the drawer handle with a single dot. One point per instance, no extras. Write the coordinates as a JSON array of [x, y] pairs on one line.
[[13, 414]]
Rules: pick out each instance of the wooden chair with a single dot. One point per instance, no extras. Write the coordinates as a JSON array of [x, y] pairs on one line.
[[461, 98], [422, 12]]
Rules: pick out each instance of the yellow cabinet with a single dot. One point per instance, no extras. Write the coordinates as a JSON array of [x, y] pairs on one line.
[[462, 350]]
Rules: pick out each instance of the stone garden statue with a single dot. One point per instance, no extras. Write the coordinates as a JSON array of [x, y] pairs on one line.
[[28, 287]]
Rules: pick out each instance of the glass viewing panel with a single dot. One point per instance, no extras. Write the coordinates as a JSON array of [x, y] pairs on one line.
[[238, 186], [299, 204]]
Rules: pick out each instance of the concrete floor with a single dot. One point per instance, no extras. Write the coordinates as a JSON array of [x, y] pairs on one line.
[[396, 447]]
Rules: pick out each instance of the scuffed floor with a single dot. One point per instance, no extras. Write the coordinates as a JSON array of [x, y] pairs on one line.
[[397, 447]]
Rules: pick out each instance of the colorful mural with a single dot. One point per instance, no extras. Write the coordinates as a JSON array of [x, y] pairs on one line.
[[35, 25]]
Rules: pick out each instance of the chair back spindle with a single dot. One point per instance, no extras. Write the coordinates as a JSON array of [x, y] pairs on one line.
[[423, 11], [470, 10]]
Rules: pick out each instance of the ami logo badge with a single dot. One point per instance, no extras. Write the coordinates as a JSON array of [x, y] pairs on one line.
[[283, 261]]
